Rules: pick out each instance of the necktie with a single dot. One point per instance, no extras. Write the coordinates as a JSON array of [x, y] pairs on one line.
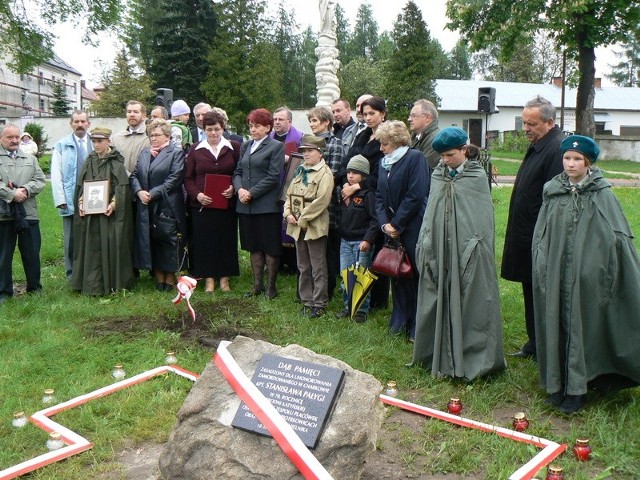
[[453, 173], [201, 135], [301, 171], [82, 151]]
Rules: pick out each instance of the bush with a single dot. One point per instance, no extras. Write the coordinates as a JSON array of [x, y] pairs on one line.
[[45, 163], [37, 133], [512, 142]]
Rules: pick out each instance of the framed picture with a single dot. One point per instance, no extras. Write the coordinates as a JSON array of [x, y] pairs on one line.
[[296, 204], [95, 195], [295, 159]]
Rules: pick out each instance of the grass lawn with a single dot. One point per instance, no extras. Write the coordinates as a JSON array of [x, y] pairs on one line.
[[61, 340], [508, 165]]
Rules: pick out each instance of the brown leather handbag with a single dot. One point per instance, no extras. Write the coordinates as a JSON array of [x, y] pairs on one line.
[[393, 261]]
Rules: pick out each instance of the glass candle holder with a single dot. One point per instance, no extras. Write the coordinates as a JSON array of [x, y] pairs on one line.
[[118, 372], [171, 358], [391, 390], [520, 422], [582, 449], [19, 420], [49, 396], [554, 473], [454, 407], [55, 441]]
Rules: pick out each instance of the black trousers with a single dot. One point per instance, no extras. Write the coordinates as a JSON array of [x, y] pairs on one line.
[[333, 259], [29, 241], [527, 294]]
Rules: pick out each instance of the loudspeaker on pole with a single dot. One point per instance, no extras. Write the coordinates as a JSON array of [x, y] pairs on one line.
[[164, 97], [486, 100]]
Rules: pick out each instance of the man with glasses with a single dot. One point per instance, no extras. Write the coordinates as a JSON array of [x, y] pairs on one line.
[[423, 122], [352, 131]]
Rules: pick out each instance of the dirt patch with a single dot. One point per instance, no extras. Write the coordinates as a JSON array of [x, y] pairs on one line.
[[214, 322]]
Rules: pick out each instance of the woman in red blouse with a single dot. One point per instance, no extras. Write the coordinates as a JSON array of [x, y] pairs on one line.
[[214, 228]]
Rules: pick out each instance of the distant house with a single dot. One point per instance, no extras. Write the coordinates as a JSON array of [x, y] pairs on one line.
[[616, 109], [31, 94]]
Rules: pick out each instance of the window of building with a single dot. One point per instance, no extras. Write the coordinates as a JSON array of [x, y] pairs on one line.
[[518, 123], [41, 104], [41, 78]]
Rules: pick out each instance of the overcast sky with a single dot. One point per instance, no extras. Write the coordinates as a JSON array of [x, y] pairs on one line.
[[90, 61]]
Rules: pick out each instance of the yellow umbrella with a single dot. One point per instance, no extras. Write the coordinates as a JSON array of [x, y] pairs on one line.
[[362, 283]]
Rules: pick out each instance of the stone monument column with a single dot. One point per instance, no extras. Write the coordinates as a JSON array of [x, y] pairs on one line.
[[327, 85]]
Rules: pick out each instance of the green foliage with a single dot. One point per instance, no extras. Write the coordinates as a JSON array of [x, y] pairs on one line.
[[122, 83], [172, 39], [512, 142], [244, 64], [36, 130], [626, 73], [343, 34], [61, 103], [459, 62], [364, 40], [361, 76], [415, 65], [578, 26], [28, 43]]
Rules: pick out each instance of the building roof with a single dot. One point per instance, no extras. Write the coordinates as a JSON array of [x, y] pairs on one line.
[[89, 94], [56, 61], [462, 95]]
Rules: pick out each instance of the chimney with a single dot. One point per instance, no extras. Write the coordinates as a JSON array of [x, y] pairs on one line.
[[557, 81], [597, 82]]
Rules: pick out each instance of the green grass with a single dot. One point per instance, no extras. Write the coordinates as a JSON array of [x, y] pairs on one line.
[[508, 165], [69, 342]]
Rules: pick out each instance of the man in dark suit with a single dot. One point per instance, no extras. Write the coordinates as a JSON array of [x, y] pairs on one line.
[[197, 133], [541, 163]]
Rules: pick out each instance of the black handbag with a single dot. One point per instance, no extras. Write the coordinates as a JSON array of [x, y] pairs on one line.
[[393, 261], [164, 229]]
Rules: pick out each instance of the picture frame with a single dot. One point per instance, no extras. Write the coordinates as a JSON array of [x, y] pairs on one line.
[[296, 205], [95, 196]]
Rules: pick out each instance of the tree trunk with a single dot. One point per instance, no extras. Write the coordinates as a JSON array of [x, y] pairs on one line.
[[585, 124]]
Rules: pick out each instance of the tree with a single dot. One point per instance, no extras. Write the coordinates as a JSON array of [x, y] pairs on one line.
[[306, 60], [60, 104], [361, 76], [364, 40], [577, 26], [415, 64], [459, 62], [534, 60], [28, 44], [626, 73], [121, 84], [173, 58], [244, 64]]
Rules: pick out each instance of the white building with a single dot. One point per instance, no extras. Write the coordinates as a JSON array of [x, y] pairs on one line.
[[31, 94], [616, 109]]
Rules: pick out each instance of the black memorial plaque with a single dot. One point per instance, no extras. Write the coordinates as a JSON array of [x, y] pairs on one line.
[[302, 392]]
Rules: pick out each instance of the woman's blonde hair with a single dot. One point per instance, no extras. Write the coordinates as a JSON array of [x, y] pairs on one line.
[[393, 132], [161, 124]]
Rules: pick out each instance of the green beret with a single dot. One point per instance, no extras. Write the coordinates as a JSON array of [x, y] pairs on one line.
[[358, 164], [101, 132], [311, 142], [448, 138], [584, 145]]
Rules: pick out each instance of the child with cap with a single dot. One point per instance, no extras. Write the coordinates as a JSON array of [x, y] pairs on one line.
[[358, 229], [180, 133], [586, 284], [307, 215]]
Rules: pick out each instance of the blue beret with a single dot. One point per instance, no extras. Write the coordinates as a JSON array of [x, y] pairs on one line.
[[448, 138], [584, 145]]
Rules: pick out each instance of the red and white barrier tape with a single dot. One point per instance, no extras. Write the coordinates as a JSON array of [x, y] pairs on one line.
[[76, 443], [260, 406], [550, 449]]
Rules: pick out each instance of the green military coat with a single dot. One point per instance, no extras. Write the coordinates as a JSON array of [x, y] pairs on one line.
[[586, 287], [458, 322]]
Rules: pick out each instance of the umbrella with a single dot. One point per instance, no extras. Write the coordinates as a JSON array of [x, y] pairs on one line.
[[358, 281]]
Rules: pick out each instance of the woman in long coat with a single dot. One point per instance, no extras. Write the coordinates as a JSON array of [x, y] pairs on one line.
[[156, 183], [459, 327], [403, 189], [102, 241], [586, 284]]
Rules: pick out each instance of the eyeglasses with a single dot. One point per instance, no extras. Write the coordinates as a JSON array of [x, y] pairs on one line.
[[153, 135], [416, 115]]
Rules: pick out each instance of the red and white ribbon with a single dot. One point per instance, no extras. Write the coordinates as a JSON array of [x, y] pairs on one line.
[[186, 286], [550, 450], [282, 433]]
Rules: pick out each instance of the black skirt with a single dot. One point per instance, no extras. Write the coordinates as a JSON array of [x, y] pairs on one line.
[[214, 243], [261, 233]]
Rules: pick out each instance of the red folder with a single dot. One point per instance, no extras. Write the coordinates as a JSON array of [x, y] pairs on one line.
[[214, 185]]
